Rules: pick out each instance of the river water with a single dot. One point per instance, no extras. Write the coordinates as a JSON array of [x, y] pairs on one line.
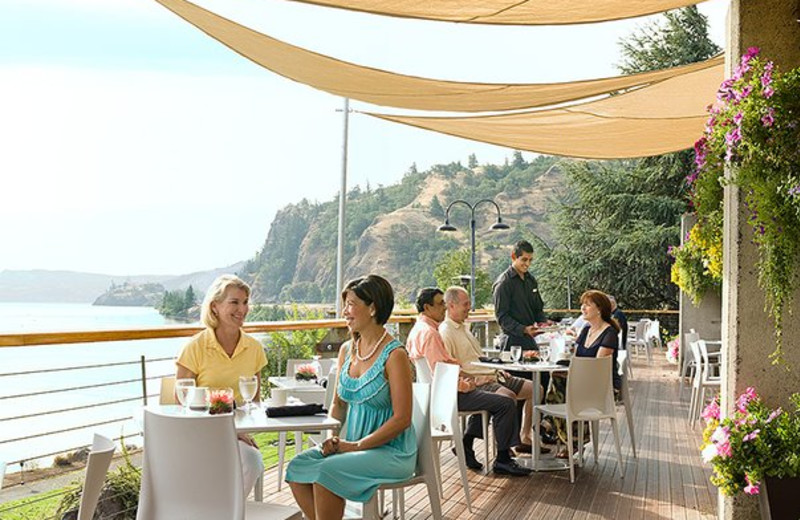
[[41, 317]]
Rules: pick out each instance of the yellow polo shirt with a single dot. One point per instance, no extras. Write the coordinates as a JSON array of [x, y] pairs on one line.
[[204, 356]]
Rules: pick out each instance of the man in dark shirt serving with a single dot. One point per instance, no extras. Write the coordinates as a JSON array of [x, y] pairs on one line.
[[518, 305]]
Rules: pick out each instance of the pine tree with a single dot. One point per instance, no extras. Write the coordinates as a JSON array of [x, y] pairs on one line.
[[472, 161]]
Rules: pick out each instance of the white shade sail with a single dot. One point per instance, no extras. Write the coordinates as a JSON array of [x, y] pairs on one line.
[[384, 88], [666, 117], [510, 12]]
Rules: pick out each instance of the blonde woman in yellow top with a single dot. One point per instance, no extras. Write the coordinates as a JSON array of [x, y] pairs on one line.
[[217, 356]]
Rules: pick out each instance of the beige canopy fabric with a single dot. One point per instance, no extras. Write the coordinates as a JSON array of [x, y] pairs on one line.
[[510, 12], [662, 118], [385, 88]]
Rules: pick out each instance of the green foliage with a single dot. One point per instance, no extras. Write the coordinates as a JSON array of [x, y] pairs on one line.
[[42, 505], [437, 211], [698, 261], [176, 304], [756, 129], [508, 178], [753, 442], [472, 161], [457, 263], [618, 215], [296, 344], [416, 254], [621, 213], [680, 38]]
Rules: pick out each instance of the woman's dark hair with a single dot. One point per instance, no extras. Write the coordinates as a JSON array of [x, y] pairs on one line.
[[373, 289], [426, 296], [600, 299]]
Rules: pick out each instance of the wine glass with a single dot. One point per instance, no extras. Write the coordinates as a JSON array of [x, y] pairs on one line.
[[248, 386], [516, 352], [544, 354], [182, 387]]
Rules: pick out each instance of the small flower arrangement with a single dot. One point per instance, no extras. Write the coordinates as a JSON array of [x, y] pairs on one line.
[[307, 372], [753, 443], [220, 401], [755, 127], [673, 350]]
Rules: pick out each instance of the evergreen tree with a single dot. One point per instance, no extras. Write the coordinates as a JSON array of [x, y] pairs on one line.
[[456, 264], [518, 162], [622, 216], [437, 211], [472, 161], [189, 298], [681, 38]]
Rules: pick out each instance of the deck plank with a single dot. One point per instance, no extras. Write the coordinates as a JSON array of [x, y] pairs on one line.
[[666, 481]]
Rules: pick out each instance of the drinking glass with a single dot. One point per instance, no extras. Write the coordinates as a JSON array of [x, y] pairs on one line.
[[248, 386], [182, 387], [544, 354], [516, 352], [198, 398]]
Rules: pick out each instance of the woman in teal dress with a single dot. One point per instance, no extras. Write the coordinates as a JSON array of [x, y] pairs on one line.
[[373, 399]]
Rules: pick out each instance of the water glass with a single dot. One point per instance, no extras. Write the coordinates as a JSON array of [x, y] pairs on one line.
[[544, 354], [199, 399], [516, 352], [182, 387], [248, 386]]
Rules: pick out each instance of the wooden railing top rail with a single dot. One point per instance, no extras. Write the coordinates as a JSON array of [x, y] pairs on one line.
[[26, 339], [29, 339]]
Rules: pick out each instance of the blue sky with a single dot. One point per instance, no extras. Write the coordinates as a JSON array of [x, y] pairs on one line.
[[133, 143]]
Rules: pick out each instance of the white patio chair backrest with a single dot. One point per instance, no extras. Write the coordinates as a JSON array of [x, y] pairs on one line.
[[191, 468], [421, 420], [642, 327], [444, 397], [695, 349], [590, 388], [167, 395], [96, 471], [423, 371], [330, 389], [689, 338]]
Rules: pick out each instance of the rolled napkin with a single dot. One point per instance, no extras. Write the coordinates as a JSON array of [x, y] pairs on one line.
[[296, 410]]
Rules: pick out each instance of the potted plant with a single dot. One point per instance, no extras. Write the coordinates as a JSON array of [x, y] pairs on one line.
[[220, 401], [306, 373], [755, 127], [756, 451]]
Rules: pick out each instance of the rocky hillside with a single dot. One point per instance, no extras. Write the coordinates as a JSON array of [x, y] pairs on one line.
[[393, 230], [132, 295]]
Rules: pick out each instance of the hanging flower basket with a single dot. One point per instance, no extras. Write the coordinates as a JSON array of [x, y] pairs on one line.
[[755, 128]]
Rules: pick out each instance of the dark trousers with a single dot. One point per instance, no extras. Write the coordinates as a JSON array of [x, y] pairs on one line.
[[503, 412]]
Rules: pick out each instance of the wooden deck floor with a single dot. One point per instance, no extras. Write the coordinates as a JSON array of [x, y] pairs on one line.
[[666, 481]]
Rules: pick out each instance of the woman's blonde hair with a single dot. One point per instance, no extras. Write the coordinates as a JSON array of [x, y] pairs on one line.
[[216, 293]]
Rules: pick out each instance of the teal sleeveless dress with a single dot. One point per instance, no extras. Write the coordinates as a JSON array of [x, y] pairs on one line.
[[356, 475]]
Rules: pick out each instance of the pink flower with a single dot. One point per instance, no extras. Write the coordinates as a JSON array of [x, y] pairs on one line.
[[750, 488], [769, 118], [750, 436], [773, 415], [711, 411], [737, 119], [744, 399], [768, 92], [724, 450], [733, 136]]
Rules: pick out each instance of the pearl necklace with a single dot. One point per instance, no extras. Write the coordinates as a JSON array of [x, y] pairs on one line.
[[375, 348]]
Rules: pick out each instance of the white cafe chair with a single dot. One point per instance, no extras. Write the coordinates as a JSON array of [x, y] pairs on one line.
[[590, 397], [425, 472], [445, 423], [625, 395], [705, 378], [639, 339], [96, 470], [689, 367], [424, 376], [191, 469]]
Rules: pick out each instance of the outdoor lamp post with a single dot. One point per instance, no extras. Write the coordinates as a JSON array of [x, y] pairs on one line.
[[448, 227]]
